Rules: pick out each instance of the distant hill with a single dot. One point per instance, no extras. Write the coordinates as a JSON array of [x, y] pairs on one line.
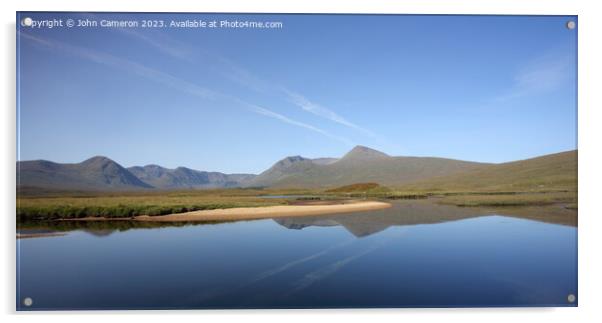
[[282, 170], [96, 173], [324, 161], [361, 154], [360, 165], [186, 178], [361, 168], [555, 171], [103, 174]]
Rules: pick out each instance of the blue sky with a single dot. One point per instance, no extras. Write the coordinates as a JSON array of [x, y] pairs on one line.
[[480, 88]]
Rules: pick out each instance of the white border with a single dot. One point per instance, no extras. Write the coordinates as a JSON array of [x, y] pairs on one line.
[[590, 228]]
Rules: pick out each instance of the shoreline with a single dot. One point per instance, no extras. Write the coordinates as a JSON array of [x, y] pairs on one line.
[[40, 235], [252, 213]]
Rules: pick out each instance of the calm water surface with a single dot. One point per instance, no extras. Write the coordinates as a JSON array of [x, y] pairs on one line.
[[415, 254]]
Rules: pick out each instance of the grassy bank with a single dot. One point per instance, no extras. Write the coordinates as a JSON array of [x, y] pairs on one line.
[[65, 205], [512, 199], [465, 198], [373, 190]]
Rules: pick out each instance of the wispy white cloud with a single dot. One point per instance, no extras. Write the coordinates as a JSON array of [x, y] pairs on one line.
[[246, 78], [230, 70], [242, 76], [318, 110], [161, 43], [152, 37], [124, 64], [282, 118], [541, 75], [168, 80]]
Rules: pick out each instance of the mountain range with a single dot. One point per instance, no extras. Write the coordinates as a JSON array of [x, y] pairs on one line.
[[360, 165], [103, 174], [182, 177]]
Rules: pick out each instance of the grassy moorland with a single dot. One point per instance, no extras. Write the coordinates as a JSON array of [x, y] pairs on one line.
[[465, 198], [129, 204], [568, 199], [556, 172], [57, 205], [547, 180]]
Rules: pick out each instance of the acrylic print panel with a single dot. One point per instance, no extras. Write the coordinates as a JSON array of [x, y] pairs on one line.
[[228, 161]]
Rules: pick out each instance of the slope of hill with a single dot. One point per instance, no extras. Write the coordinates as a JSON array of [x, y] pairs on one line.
[[186, 178], [360, 154], [324, 161], [96, 173], [103, 174], [550, 172], [359, 165], [282, 170]]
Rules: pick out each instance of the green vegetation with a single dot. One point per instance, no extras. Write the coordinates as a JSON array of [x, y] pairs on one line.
[[546, 180], [550, 179], [460, 198], [514, 199], [114, 205], [359, 187], [556, 172], [373, 190], [360, 165], [62, 205]]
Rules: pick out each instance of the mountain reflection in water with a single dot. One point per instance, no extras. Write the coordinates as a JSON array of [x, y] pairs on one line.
[[416, 253], [360, 224], [417, 212]]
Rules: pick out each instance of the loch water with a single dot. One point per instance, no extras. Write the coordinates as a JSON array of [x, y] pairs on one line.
[[414, 254]]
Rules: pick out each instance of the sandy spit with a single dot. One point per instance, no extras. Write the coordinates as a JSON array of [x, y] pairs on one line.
[[249, 213]]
